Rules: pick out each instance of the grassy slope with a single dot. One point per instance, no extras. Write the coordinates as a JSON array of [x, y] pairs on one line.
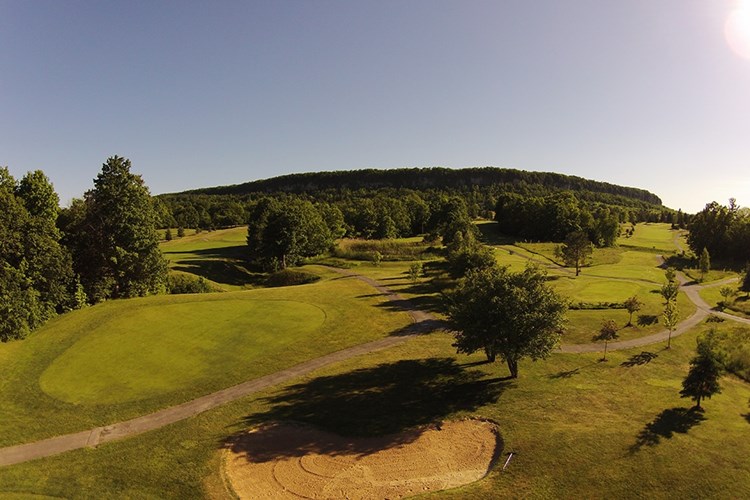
[[121, 359], [579, 428], [217, 256]]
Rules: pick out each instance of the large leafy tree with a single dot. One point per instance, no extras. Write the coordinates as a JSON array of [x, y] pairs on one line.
[[575, 250], [113, 236], [506, 314], [284, 234]]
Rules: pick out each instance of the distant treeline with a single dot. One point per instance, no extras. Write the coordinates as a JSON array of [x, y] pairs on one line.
[[403, 202], [421, 179]]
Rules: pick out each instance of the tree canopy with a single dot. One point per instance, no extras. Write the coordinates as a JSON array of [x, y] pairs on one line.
[[36, 278], [575, 250], [113, 237], [506, 314], [282, 235]]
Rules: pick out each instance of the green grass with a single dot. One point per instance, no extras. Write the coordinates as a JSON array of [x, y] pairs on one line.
[[218, 256], [655, 237], [121, 359], [124, 356], [579, 428], [584, 324]]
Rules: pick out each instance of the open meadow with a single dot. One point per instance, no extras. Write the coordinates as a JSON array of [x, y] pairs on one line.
[[577, 426]]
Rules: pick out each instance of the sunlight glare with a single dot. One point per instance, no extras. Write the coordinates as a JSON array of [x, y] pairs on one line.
[[737, 29]]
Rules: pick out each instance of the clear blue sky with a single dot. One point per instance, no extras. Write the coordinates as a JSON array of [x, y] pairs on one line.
[[645, 93]]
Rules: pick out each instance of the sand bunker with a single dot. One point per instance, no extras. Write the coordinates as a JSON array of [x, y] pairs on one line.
[[292, 461]]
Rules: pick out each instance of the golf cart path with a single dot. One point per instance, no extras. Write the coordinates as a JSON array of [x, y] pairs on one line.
[[120, 430], [422, 322]]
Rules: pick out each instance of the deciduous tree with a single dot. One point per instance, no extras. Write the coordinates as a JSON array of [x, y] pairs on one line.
[[607, 332], [575, 251], [506, 314], [632, 305]]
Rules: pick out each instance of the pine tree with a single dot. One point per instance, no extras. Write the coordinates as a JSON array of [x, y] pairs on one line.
[[702, 380]]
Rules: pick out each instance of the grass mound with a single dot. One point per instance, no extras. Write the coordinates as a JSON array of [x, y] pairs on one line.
[[291, 277], [126, 358]]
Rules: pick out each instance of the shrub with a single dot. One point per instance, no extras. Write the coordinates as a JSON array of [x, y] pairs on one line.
[[180, 283]]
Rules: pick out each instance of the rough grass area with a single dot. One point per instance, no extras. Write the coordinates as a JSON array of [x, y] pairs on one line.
[[578, 428], [396, 249], [122, 359]]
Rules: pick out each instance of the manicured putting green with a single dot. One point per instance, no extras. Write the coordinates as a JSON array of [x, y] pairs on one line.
[[166, 347]]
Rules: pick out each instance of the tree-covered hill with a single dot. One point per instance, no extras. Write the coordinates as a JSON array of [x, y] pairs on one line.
[[430, 178]]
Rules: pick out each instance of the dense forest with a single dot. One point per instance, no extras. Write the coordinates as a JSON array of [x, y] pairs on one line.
[[724, 231], [403, 202]]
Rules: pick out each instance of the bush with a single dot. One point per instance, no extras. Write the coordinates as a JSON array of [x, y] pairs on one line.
[[180, 283], [596, 305], [291, 277]]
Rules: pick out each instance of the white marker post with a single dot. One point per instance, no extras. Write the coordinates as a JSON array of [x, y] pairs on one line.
[[510, 455]]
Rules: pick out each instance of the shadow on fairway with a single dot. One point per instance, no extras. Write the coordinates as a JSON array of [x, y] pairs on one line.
[[667, 424], [647, 319], [222, 265], [642, 358], [569, 373], [389, 400]]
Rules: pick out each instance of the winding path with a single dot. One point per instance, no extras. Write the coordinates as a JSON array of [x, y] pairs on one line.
[[422, 322]]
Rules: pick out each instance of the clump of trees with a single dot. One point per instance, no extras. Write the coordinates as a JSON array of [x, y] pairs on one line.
[[112, 236], [282, 235], [51, 261], [724, 231], [36, 275], [556, 216], [505, 314]]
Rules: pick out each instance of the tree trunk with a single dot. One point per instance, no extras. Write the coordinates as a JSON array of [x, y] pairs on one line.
[[698, 402], [669, 345], [605, 350], [490, 354], [513, 367], [578, 269]]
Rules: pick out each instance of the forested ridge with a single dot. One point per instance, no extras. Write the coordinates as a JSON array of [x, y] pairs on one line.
[[430, 178], [403, 202]]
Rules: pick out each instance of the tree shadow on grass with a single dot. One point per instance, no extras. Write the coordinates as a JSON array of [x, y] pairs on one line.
[[642, 358], [569, 373], [390, 400], [647, 319], [667, 424], [226, 265], [423, 327]]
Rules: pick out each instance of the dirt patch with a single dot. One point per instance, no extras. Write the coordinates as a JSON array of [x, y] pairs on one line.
[[293, 461]]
